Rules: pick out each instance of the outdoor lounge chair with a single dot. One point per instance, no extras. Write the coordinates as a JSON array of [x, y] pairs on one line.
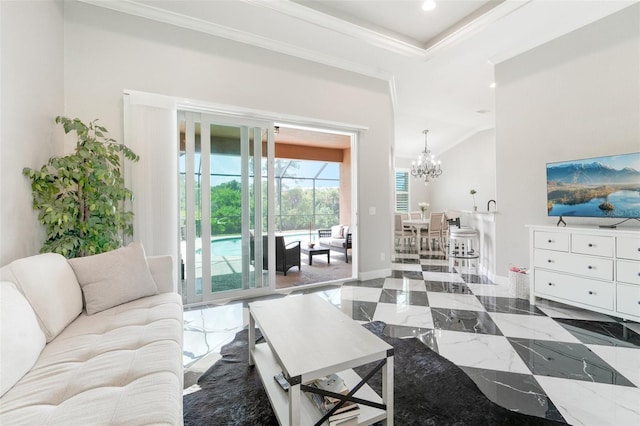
[[336, 239], [287, 256]]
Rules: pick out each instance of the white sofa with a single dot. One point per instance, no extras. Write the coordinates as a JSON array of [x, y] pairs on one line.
[[90, 341], [336, 238]]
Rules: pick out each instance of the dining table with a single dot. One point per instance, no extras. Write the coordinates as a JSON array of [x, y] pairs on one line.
[[417, 226]]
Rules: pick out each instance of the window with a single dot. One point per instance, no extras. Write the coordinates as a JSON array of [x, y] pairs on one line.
[[402, 191]]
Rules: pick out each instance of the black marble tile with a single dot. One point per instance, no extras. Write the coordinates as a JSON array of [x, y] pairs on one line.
[[374, 283], [406, 261], [433, 256], [447, 287], [401, 297], [476, 279], [359, 310], [438, 268], [566, 360], [462, 320], [508, 305], [413, 275], [517, 392], [601, 332]]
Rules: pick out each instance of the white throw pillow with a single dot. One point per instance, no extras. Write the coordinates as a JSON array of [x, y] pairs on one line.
[[49, 284], [113, 278], [21, 339], [336, 231]]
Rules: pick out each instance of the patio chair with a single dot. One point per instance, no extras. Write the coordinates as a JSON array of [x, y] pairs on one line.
[[287, 256]]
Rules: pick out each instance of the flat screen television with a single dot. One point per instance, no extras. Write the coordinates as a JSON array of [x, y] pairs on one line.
[[595, 187]]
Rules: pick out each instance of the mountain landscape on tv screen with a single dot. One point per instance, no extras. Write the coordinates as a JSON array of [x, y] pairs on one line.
[[592, 174], [593, 189]]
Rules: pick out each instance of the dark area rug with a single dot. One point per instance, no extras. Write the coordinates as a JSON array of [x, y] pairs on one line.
[[429, 390]]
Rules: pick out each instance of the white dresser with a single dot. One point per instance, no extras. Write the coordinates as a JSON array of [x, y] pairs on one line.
[[589, 267]]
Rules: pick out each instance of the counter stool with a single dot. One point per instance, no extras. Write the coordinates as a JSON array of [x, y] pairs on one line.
[[464, 248]]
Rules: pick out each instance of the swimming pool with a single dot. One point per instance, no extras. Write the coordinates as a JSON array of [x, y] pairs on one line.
[[232, 245]]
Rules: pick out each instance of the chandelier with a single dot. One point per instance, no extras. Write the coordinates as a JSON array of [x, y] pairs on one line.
[[427, 168]]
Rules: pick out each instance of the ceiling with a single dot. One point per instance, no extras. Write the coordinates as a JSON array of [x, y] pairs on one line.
[[439, 64]]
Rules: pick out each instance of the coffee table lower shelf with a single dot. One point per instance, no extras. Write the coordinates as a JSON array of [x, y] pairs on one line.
[[268, 367]]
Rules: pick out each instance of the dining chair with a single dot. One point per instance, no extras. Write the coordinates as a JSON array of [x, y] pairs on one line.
[[402, 234], [434, 233]]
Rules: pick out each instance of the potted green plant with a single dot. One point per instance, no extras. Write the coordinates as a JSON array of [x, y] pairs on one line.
[[80, 197]]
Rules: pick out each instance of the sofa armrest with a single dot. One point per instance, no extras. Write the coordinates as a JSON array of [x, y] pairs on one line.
[[324, 233], [161, 268]]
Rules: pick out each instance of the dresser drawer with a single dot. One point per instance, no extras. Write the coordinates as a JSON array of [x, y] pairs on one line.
[[628, 271], [592, 267], [551, 241], [582, 290], [595, 245], [628, 248], [628, 299]]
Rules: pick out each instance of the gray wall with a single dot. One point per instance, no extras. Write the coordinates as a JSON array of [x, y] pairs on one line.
[[575, 97], [32, 95]]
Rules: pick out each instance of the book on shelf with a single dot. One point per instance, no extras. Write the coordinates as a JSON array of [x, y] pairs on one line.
[[333, 383]]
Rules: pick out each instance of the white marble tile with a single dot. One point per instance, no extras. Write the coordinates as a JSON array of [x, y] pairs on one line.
[[633, 326], [406, 267], [479, 351], [442, 276], [364, 294], [454, 301], [489, 290], [400, 256], [409, 315], [404, 284], [587, 403], [625, 360], [560, 310], [531, 327]]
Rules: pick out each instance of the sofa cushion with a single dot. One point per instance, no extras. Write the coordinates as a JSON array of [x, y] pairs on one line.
[[121, 366], [337, 231], [21, 339], [49, 284], [115, 277]]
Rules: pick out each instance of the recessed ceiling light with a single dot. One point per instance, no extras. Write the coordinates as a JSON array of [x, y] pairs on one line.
[[429, 5], [483, 111], [493, 85]]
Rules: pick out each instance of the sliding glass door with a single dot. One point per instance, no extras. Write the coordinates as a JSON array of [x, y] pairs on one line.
[[224, 204]]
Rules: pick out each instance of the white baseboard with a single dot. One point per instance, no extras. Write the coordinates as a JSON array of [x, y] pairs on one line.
[[370, 275]]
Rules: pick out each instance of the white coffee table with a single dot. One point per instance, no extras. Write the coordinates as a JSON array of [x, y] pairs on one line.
[[306, 338]]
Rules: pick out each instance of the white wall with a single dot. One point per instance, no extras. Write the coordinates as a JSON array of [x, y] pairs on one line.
[[471, 164], [575, 97], [106, 52], [32, 96]]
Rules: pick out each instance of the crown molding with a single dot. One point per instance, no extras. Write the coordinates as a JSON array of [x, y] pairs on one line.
[[396, 43], [151, 12]]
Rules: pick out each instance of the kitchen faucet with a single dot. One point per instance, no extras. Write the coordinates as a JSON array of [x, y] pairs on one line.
[[489, 204]]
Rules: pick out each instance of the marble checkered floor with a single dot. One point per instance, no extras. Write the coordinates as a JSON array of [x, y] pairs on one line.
[[548, 360]]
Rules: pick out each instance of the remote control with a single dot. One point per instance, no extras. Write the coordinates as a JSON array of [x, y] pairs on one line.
[[282, 381]]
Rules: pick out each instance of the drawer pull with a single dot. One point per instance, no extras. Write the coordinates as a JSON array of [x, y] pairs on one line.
[[550, 241], [549, 261], [589, 267], [590, 245], [590, 292], [550, 283]]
